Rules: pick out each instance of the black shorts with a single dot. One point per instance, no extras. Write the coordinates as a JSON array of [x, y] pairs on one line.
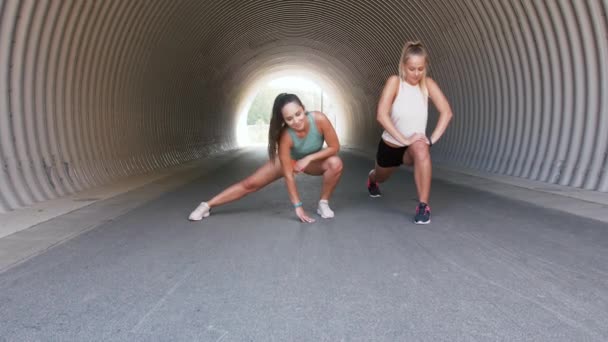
[[388, 156]]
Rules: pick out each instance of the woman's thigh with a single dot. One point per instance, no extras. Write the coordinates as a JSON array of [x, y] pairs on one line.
[[318, 167], [266, 174]]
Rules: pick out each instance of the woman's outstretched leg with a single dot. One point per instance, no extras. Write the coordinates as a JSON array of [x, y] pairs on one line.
[[268, 173]]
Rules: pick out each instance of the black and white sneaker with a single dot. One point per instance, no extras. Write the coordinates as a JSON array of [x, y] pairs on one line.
[[423, 214], [372, 187]]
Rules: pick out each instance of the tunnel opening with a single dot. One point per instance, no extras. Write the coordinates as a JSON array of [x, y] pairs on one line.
[[92, 94], [260, 110], [256, 109]]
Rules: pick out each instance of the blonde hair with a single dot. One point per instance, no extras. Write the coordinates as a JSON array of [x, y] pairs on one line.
[[414, 49]]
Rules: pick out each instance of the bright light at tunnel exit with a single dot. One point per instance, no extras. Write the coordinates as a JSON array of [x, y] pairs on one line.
[[253, 124], [290, 82]]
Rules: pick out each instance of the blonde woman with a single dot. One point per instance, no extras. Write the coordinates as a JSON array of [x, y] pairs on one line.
[[403, 112]]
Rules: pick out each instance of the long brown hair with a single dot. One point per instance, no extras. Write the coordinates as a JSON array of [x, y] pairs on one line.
[[277, 123], [414, 49]]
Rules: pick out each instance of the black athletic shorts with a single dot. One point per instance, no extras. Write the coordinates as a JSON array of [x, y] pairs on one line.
[[388, 156]]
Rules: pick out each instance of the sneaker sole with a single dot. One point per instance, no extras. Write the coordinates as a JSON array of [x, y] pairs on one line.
[[205, 215], [374, 196], [325, 217], [420, 222]]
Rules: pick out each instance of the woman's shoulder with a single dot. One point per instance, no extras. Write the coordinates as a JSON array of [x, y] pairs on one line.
[[285, 131], [285, 135], [430, 82], [320, 119], [315, 114], [392, 83], [318, 116], [391, 87], [431, 86], [393, 79]]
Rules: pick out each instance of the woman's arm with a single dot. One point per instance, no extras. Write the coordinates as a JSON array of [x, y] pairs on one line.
[[443, 107], [326, 129], [285, 145]]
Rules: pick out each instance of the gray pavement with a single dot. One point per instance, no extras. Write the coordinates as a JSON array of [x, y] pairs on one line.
[[488, 268]]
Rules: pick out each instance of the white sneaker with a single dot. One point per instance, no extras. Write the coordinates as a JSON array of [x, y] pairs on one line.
[[200, 212], [324, 210]]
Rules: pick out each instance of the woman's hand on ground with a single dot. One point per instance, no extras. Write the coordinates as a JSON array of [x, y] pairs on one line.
[[303, 216]]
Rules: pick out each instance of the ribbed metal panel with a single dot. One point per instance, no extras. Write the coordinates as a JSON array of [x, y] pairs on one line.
[[537, 88], [91, 91]]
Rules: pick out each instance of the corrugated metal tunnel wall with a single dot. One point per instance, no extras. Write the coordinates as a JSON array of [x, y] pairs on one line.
[[92, 91]]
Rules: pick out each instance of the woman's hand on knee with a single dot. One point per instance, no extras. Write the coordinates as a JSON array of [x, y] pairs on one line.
[[420, 145], [416, 137], [301, 165], [419, 151]]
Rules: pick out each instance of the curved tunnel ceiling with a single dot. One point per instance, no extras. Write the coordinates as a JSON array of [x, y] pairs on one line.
[[92, 91]]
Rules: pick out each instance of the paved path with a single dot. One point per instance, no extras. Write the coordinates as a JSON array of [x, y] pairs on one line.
[[488, 268]]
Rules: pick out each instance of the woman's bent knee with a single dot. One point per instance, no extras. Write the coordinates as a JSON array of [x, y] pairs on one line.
[[419, 151], [335, 164]]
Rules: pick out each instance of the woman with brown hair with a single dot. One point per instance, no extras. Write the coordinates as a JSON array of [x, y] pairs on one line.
[[295, 144]]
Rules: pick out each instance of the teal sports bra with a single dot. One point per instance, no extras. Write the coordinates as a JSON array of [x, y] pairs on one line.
[[311, 143]]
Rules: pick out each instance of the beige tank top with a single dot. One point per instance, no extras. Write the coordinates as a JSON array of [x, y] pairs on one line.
[[409, 112]]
